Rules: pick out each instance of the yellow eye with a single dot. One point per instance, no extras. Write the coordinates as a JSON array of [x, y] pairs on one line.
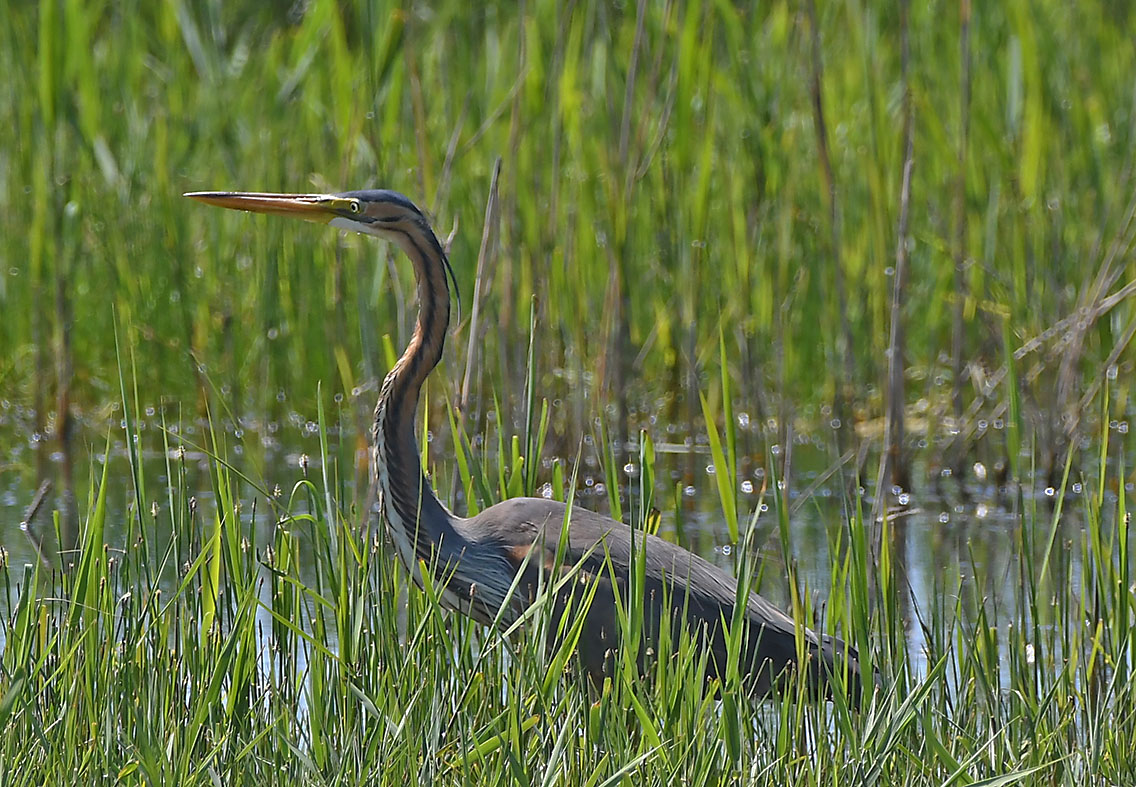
[[356, 207]]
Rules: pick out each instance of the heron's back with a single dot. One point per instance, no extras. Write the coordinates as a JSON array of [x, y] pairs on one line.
[[690, 591]]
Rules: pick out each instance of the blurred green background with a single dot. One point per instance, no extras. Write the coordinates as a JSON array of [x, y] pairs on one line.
[[662, 183]]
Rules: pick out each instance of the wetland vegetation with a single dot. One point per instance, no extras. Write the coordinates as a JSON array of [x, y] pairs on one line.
[[836, 294]]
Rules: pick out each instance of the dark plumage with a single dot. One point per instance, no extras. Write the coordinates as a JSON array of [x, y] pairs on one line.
[[693, 591]]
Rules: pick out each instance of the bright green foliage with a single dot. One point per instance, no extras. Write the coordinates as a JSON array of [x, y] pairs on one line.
[[659, 171]]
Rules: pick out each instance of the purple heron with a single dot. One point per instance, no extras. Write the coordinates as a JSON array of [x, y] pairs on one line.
[[491, 566]]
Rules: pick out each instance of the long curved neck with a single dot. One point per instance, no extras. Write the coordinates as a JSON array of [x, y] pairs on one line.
[[419, 524]]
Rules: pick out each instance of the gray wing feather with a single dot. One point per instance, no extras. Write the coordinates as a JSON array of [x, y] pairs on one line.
[[704, 590]]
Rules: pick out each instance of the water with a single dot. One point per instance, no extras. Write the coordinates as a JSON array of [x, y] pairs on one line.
[[954, 546], [946, 537]]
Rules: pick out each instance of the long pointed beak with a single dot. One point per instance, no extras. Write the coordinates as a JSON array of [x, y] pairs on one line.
[[320, 208]]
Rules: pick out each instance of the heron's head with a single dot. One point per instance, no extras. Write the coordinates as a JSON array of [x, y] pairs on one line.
[[379, 212], [385, 214]]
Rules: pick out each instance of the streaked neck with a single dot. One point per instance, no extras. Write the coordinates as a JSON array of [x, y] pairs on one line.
[[418, 522]]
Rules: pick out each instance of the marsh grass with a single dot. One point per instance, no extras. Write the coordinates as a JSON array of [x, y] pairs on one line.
[[240, 653], [657, 170]]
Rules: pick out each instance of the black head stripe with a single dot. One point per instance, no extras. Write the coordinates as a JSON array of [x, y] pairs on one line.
[[385, 196]]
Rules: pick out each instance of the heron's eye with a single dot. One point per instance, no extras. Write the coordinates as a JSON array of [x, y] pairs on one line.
[[356, 206]]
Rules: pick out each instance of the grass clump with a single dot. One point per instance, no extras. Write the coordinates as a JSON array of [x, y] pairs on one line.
[[274, 639]]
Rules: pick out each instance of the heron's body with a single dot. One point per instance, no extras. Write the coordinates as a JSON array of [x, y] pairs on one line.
[[493, 566]]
